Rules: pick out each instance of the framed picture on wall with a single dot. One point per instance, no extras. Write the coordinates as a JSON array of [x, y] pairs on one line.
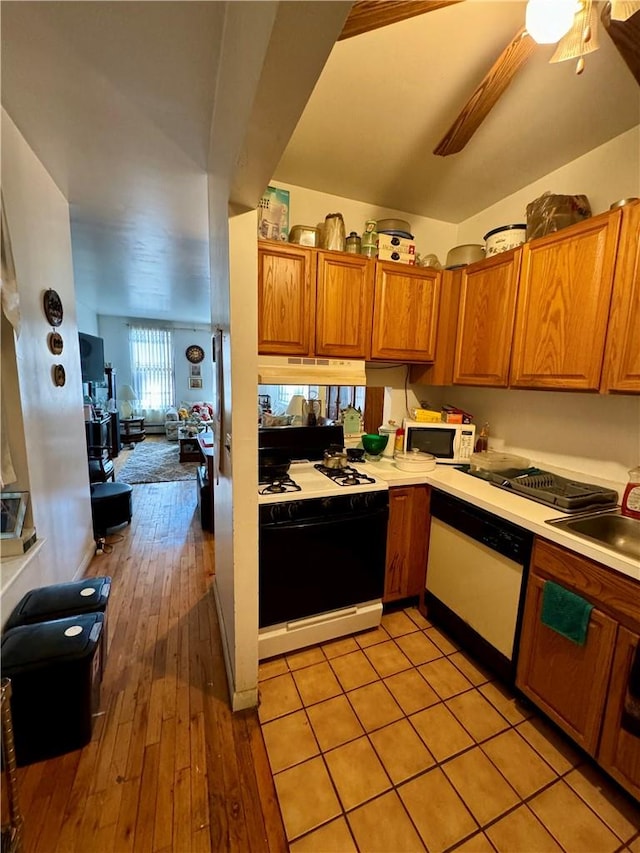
[[195, 382], [194, 370]]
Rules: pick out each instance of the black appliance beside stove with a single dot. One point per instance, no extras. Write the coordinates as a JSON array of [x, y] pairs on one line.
[[550, 489], [322, 544]]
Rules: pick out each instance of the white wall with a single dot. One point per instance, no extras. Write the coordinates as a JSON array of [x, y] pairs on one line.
[[309, 207], [115, 333], [604, 175], [54, 436]]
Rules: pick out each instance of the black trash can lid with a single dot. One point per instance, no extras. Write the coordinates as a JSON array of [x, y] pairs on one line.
[[87, 595], [30, 646]]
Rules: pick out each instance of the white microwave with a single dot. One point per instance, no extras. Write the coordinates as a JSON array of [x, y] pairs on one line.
[[451, 444]]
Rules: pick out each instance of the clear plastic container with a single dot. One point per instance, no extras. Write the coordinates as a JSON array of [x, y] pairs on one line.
[[492, 460]]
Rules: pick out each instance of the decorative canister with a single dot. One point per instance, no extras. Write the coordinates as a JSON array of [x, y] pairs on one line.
[[504, 238], [333, 233], [353, 243]]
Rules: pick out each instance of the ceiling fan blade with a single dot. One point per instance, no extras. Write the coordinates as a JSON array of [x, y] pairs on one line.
[[485, 97], [626, 37], [368, 15]]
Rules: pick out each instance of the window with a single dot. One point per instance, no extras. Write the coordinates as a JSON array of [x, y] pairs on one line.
[[152, 372]]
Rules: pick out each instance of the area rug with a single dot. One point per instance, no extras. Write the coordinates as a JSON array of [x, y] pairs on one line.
[[156, 462]]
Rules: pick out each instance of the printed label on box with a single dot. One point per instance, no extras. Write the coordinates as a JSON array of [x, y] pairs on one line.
[[273, 215]]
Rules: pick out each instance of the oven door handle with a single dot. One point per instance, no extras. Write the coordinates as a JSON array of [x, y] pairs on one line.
[[380, 514]]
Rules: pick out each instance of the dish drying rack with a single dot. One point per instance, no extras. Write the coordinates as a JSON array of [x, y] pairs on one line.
[[553, 490]]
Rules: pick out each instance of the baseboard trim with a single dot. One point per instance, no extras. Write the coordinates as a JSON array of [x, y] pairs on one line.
[[240, 700]]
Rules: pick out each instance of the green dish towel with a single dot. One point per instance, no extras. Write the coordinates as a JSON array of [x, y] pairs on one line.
[[565, 612]]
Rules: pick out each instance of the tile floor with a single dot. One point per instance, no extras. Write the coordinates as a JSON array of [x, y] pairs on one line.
[[395, 740]]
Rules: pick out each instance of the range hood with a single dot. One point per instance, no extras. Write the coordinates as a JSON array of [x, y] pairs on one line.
[[295, 370]]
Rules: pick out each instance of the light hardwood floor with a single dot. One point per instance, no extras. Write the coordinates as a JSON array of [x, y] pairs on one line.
[[169, 767]]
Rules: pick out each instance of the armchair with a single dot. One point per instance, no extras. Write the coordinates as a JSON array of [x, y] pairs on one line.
[[101, 467]]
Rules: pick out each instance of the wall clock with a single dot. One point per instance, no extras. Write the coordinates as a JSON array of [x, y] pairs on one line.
[[52, 305], [194, 354]]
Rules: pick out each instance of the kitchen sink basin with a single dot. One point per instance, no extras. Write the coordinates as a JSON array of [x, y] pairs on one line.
[[611, 529]]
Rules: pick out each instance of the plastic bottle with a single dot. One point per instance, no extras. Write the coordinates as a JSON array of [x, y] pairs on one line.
[[482, 442], [369, 242], [631, 499]]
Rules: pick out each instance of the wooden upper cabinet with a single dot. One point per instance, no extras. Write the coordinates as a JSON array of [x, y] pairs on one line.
[[440, 372], [621, 370], [563, 306], [485, 321], [286, 300], [405, 312], [343, 305]]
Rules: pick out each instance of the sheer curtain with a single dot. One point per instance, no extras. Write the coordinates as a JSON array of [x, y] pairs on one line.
[[152, 373]]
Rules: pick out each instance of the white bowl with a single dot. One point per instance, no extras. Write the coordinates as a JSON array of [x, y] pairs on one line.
[[415, 461]]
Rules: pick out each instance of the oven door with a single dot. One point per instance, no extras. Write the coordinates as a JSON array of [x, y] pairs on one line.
[[324, 564]]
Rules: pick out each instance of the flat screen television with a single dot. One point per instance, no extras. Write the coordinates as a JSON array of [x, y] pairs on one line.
[[91, 358]]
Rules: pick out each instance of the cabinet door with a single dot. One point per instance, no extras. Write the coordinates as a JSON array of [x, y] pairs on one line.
[[567, 681], [563, 306], [622, 355], [286, 300], [441, 371], [485, 321], [405, 312], [343, 305], [619, 751], [407, 542]]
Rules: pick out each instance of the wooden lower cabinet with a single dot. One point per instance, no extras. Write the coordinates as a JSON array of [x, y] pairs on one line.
[[407, 542], [582, 688], [567, 681], [619, 752]]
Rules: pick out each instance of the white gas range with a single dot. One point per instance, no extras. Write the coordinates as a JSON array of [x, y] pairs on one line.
[[322, 536]]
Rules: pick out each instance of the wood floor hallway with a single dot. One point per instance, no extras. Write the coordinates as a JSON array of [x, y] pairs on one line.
[[169, 768]]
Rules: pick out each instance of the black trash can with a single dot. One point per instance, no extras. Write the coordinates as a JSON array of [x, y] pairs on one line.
[[88, 595], [55, 669]]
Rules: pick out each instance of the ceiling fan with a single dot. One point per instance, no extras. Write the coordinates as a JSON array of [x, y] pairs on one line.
[[620, 18]]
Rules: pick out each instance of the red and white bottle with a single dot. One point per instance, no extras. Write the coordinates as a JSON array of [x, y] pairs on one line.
[[631, 498]]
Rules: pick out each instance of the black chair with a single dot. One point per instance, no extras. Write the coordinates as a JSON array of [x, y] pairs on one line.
[[101, 467]]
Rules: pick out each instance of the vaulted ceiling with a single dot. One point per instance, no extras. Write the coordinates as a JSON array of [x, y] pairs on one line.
[[117, 99]]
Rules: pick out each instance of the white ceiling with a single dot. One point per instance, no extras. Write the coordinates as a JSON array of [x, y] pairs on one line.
[[116, 99]]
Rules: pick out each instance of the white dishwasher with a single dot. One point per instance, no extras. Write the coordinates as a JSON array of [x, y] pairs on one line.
[[476, 573]]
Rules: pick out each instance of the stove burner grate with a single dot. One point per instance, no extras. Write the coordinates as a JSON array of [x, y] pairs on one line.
[[345, 476], [282, 486]]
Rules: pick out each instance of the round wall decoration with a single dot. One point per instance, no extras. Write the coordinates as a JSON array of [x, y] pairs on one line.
[[59, 375], [56, 344], [52, 307], [194, 354]]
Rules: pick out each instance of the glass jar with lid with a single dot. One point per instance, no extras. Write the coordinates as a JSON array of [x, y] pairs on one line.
[[369, 242]]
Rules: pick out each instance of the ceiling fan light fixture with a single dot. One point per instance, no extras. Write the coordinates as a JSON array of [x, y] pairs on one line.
[[622, 10], [547, 21], [581, 39]]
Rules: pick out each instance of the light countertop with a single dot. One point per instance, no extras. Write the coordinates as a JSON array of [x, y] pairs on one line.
[[514, 508]]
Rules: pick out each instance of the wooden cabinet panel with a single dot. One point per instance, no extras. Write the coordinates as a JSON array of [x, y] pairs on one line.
[[568, 681], [563, 306], [407, 542], [485, 321], [621, 370], [405, 312], [343, 305], [441, 371], [619, 751], [286, 300]]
